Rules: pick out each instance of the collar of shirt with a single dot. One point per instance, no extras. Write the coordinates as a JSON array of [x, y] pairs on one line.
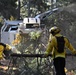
[[58, 34]]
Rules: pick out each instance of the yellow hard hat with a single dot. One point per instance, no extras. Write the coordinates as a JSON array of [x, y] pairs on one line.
[[54, 30]]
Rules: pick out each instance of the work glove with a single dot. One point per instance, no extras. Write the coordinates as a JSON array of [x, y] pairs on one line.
[[74, 52], [44, 56]]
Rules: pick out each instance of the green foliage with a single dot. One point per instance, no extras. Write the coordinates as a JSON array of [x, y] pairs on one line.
[[38, 6], [28, 42], [35, 35], [34, 7], [6, 8], [64, 2]]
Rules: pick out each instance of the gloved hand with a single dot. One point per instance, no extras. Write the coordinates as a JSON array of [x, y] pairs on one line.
[[44, 56], [74, 52]]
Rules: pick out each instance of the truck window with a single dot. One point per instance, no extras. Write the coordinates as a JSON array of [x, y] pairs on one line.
[[7, 28], [13, 28], [32, 25]]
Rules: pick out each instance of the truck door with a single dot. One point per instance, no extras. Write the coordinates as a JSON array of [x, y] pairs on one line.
[[12, 33], [5, 34], [5, 37]]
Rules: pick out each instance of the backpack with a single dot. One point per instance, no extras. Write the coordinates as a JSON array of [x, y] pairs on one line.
[[60, 44]]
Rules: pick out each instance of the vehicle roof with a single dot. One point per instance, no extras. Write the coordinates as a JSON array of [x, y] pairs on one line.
[[15, 22]]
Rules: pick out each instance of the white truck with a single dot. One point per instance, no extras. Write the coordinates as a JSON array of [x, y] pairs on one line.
[[10, 28]]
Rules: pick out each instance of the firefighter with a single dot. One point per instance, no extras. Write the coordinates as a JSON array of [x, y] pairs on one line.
[[4, 50], [52, 47]]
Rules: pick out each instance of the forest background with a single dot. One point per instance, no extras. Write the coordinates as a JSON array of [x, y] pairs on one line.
[[65, 18]]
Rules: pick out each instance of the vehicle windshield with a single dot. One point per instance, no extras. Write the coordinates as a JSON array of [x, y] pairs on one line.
[[32, 25]]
